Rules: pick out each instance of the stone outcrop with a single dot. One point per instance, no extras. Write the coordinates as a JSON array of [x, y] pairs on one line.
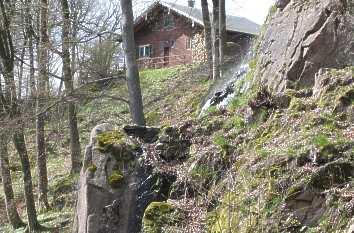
[[302, 37], [107, 185], [121, 175], [146, 134], [173, 144]]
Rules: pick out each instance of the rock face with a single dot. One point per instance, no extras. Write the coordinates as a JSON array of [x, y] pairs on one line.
[[107, 192], [302, 38], [121, 175]]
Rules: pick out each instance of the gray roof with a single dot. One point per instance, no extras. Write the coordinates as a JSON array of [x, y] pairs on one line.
[[233, 23]]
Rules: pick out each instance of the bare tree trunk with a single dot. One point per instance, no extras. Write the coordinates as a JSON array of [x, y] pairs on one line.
[[20, 145], [10, 203], [42, 93], [215, 36], [207, 35], [13, 111], [69, 87], [20, 75], [222, 33], [132, 72], [29, 34], [32, 82]]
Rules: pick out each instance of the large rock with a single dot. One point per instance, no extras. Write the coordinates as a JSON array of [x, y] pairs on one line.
[[173, 144], [304, 37], [147, 134], [107, 186]]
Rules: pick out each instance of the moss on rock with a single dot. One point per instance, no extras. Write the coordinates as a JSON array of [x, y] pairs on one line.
[[159, 215], [106, 140], [116, 179], [92, 168]]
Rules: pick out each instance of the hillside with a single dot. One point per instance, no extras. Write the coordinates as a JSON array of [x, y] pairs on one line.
[[188, 85], [269, 148]]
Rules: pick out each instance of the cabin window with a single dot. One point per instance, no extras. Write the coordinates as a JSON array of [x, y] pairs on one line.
[[188, 43], [168, 21], [145, 51]]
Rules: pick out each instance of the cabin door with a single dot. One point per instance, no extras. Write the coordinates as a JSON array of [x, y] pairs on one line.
[[166, 56]]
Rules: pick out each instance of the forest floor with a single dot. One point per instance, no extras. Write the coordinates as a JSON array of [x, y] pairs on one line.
[[170, 95]]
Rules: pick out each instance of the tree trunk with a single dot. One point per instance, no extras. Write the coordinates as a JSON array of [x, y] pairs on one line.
[[20, 145], [41, 96], [32, 71], [29, 35], [215, 36], [132, 72], [10, 105], [222, 34], [10, 203], [207, 35], [20, 75], [69, 87]]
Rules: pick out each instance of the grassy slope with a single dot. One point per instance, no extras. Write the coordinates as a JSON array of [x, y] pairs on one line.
[[281, 153], [170, 95], [242, 171], [246, 174]]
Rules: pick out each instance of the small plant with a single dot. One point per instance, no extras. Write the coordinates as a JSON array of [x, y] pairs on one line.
[[221, 141], [213, 110], [321, 140], [234, 122], [297, 105], [92, 168], [263, 152], [236, 103]]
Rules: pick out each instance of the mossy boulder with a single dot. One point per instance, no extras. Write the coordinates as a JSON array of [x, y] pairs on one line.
[[159, 216], [173, 144]]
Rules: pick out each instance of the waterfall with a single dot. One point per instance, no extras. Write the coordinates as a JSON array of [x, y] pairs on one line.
[[223, 92]]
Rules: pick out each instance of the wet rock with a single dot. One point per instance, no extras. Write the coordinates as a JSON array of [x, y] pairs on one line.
[[147, 134], [281, 4], [302, 38]]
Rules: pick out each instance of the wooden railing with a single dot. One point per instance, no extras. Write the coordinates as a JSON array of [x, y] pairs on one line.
[[159, 62]]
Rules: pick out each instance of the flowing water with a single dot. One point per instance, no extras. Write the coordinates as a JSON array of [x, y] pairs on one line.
[[223, 91]]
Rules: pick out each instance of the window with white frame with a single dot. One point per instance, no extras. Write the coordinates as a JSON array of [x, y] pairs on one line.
[[145, 51]]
